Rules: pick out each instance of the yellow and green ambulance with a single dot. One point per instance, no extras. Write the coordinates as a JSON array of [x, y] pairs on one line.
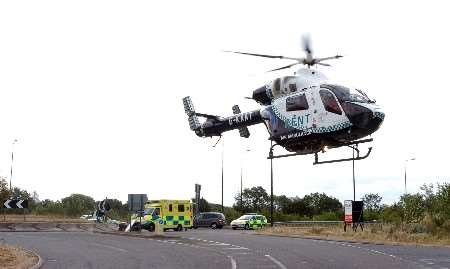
[[170, 214]]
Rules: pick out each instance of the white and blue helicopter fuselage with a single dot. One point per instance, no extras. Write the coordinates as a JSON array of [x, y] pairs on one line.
[[303, 113]]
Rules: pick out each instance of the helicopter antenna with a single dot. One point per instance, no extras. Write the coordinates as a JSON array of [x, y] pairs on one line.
[[309, 60]]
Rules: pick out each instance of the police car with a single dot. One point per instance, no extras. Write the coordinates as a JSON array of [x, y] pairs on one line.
[[249, 221]]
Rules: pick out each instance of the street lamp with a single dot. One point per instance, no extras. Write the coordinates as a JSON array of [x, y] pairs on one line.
[[223, 147], [12, 161], [247, 150], [406, 161]]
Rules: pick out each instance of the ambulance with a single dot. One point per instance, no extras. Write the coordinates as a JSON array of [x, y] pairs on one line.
[[170, 214]]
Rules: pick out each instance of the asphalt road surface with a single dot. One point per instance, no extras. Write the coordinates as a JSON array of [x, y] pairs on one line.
[[205, 248]]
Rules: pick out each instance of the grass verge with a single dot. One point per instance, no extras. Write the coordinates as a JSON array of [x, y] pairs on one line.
[[40, 218], [17, 258], [379, 234]]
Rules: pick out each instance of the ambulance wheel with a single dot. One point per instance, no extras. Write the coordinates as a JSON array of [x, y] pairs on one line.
[[213, 225], [195, 227], [151, 227], [179, 228], [247, 227]]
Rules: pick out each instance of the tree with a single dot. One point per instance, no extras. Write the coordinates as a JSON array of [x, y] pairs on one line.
[[253, 200], [78, 204], [319, 203], [19, 194], [299, 207], [413, 206], [372, 202], [4, 190], [204, 205]]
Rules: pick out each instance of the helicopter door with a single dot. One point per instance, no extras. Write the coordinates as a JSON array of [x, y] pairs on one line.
[[330, 116], [297, 112]]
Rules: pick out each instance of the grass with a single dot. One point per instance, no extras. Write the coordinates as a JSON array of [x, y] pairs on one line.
[[40, 218], [14, 257], [376, 234]]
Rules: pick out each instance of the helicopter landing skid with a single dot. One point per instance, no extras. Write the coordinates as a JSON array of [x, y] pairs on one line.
[[354, 147]]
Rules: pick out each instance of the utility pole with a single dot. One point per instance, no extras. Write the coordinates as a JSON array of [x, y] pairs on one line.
[[241, 190], [223, 148], [242, 165], [271, 182], [12, 161], [406, 162], [353, 166]]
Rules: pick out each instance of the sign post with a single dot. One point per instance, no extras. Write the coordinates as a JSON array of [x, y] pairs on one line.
[[136, 204], [11, 203], [198, 187], [347, 213], [353, 214]]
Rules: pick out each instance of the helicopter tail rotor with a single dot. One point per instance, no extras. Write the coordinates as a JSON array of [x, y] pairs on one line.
[[194, 124]]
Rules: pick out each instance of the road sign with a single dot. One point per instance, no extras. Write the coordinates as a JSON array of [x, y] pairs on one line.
[[15, 203], [348, 211], [136, 202]]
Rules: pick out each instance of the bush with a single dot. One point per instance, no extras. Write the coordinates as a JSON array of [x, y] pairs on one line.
[[327, 216]]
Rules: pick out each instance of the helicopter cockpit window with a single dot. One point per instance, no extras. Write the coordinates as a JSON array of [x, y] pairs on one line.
[[295, 103], [329, 102], [276, 87], [345, 94]]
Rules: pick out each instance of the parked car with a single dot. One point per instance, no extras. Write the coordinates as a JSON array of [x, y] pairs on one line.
[[249, 221], [209, 219]]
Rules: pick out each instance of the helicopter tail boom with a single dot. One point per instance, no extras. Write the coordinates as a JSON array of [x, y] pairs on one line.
[[215, 125]]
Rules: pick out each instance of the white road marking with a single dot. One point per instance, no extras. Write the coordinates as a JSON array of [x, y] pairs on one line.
[[237, 248], [233, 262], [110, 247], [277, 262]]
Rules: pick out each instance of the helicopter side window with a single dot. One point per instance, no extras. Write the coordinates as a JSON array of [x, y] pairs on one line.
[[292, 87], [295, 103], [329, 102]]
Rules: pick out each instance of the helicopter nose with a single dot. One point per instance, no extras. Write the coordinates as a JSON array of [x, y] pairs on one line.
[[377, 120], [368, 118]]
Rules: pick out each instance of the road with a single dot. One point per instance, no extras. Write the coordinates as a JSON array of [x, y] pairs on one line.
[[205, 248]]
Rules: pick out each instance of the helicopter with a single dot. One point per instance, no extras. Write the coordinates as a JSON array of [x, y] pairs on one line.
[[304, 113]]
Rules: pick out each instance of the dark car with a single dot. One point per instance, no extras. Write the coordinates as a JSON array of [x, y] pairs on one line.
[[209, 219]]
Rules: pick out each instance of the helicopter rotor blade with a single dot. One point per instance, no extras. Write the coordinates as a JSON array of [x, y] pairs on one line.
[[306, 41], [263, 55], [324, 64], [329, 58], [281, 68]]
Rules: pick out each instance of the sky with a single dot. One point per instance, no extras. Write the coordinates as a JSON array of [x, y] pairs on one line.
[[92, 92]]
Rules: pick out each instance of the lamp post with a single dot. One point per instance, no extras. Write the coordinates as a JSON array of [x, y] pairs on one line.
[[12, 161], [406, 161], [223, 147], [247, 150]]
